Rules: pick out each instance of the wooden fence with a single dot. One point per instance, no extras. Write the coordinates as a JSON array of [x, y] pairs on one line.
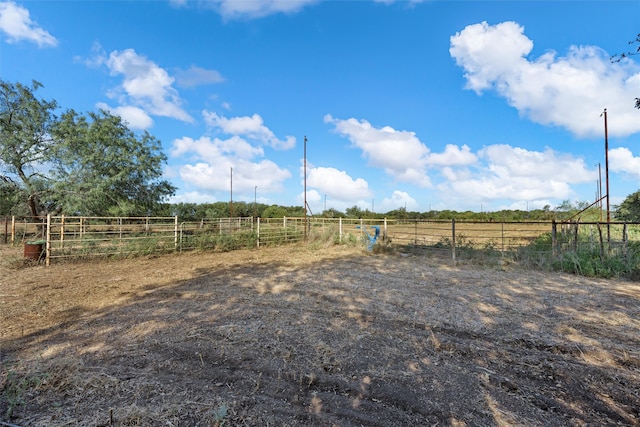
[[65, 236]]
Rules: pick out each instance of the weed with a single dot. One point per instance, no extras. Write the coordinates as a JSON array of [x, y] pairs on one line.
[[15, 388]]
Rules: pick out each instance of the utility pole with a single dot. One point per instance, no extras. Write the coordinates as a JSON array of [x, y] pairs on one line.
[[606, 172], [305, 188]]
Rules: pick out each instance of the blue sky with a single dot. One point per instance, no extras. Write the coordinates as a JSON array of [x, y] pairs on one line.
[[463, 105]]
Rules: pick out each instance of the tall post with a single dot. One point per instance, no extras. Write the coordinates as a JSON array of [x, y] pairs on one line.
[[175, 233], [305, 188], [255, 202], [231, 196], [453, 239], [606, 169], [48, 242]]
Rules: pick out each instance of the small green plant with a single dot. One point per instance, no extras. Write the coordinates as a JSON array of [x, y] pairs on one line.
[[218, 416], [16, 387]]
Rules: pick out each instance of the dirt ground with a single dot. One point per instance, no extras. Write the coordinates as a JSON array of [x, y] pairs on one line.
[[322, 336]]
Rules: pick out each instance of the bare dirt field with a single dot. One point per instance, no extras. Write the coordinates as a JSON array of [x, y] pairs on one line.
[[324, 336]]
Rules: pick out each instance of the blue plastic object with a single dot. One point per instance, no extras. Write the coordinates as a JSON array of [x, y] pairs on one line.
[[372, 239]]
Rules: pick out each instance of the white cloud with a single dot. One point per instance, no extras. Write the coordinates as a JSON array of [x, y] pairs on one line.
[[569, 91], [136, 118], [513, 162], [399, 199], [337, 184], [196, 76], [210, 150], [251, 127], [212, 160], [192, 197], [512, 173], [266, 175], [399, 153], [16, 23], [622, 160], [247, 9], [146, 85], [453, 156]]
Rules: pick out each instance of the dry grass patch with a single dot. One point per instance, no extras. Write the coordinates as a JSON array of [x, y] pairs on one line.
[[315, 336]]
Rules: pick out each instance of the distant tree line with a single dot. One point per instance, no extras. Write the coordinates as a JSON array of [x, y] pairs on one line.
[[627, 211]]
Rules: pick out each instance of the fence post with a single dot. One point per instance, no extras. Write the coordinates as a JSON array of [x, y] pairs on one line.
[[62, 232], [453, 239], [554, 232], [340, 229], [258, 232], [384, 236], [48, 242], [13, 230], [175, 233]]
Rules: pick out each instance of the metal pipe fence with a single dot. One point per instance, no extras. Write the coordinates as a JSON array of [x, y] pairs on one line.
[[73, 237]]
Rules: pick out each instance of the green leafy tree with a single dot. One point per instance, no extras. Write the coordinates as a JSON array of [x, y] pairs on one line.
[[25, 144], [76, 164], [629, 209], [274, 211], [332, 213], [355, 212]]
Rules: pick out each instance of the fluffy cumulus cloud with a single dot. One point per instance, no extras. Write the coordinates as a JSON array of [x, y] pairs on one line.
[[251, 127], [567, 91], [453, 156], [147, 85], [16, 23], [209, 163], [511, 173], [622, 160], [146, 89], [136, 118], [337, 184], [399, 199], [209, 149], [246, 9], [399, 153]]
